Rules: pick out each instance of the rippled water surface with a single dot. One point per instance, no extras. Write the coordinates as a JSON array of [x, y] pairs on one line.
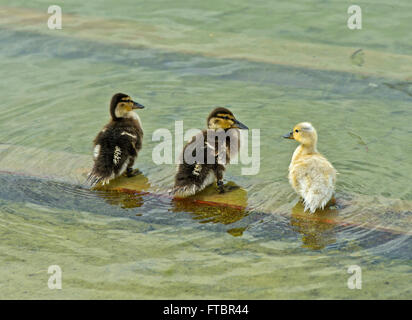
[[274, 64]]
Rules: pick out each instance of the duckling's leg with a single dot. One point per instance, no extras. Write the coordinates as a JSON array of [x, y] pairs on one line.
[[219, 177], [129, 170], [220, 186], [332, 201]]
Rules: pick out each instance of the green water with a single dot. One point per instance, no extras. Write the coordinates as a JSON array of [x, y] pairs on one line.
[[274, 65]]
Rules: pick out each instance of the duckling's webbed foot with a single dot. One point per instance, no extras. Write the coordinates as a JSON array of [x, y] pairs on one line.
[[131, 173]]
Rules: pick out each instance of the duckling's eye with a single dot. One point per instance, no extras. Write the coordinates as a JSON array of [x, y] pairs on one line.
[[296, 130]]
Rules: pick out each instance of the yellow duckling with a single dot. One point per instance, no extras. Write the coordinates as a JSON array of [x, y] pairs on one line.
[[311, 175]]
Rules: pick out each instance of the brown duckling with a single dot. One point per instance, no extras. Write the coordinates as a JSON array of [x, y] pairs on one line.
[[116, 146], [194, 176]]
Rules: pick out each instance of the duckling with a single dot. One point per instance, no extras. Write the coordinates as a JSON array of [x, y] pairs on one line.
[[311, 175], [116, 146], [210, 155]]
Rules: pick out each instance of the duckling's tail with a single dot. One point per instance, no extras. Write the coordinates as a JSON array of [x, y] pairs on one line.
[[191, 188], [94, 178], [317, 195], [185, 191], [188, 186]]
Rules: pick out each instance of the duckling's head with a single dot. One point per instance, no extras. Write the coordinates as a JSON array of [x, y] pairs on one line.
[[121, 106], [222, 118], [304, 133]]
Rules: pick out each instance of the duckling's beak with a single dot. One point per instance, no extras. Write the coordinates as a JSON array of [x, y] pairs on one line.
[[239, 125], [288, 135], [137, 105]]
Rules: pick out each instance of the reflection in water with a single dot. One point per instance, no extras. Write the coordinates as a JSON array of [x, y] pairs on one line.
[[125, 192], [210, 207], [123, 199], [318, 229], [207, 206]]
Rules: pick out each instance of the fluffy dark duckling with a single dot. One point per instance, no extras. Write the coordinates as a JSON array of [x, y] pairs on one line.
[[211, 156], [117, 144]]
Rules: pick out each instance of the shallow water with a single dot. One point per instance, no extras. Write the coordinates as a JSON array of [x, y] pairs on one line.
[[274, 66]]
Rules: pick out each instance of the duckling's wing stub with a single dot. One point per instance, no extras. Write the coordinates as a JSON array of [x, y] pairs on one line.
[[199, 149], [114, 149], [196, 171]]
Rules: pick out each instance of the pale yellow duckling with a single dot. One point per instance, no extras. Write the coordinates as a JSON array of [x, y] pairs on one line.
[[310, 174]]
